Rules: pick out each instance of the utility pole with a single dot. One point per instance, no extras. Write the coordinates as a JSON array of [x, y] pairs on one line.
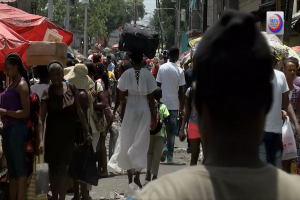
[[204, 16], [161, 27], [177, 42], [86, 3], [288, 21], [50, 10], [135, 12], [68, 16]]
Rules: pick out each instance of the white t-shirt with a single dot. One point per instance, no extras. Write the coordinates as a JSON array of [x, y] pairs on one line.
[[225, 183], [39, 89], [273, 121], [171, 77]]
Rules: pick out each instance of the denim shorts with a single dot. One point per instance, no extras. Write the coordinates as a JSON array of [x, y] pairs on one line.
[[14, 138]]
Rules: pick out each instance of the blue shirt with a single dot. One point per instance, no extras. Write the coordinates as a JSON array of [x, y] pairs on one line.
[[111, 67]]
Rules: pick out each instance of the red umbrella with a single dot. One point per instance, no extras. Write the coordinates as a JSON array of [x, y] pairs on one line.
[[184, 54], [31, 27], [10, 41], [115, 46]]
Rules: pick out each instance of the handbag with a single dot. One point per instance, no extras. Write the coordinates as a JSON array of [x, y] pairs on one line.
[[37, 181], [98, 117]]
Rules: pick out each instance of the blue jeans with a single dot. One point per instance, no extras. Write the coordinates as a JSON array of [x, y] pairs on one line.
[[14, 138], [270, 149], [172, 124]]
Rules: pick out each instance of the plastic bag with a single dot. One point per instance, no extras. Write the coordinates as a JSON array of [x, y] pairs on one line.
[[288, 141], [42, 179], [133, 190], [83, 165]]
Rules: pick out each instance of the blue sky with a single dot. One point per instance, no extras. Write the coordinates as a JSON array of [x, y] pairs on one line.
[[149, 8]]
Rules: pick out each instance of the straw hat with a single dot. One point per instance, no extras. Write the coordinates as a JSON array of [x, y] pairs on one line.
[[78, 76]]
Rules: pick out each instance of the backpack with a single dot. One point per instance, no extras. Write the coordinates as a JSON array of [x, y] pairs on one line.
[[139, 37], [158, 125]]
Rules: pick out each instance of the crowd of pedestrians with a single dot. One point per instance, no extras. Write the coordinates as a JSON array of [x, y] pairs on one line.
[[238, 124]]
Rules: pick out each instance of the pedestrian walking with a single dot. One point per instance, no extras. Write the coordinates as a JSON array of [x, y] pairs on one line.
[[156, 140], [61, 105], [231, 127], [78, 77], [171, 79], [289, 69], [135, 129], [14, 111], [270, 149]]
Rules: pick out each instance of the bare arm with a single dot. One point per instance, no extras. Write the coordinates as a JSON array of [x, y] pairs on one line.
[[100, 105], [181, 98], [80, 113], [24, 113], [117, 104], [122, 96], [185, 120], [43, 113], [151, 105]]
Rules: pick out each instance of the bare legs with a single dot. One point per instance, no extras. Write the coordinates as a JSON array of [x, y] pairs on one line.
[[58, 181], [195, 150], [83, 188], [102, 160], [136, 179], [17, 188]]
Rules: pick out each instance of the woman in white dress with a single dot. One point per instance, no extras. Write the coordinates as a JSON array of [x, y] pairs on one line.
[[139, 114]]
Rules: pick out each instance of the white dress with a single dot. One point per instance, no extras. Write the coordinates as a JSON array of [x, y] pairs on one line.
[[131, 152]]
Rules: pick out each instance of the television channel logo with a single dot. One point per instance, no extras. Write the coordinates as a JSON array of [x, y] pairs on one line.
[[275, 22]]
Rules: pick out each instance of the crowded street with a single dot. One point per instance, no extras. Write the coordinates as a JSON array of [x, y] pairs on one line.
[[149, 100]]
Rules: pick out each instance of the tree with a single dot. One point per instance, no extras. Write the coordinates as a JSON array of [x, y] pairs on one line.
[[168, 20], [121, 12]]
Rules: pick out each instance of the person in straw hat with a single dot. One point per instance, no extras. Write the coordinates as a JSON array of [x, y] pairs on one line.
[[61, 104], [78, 76]]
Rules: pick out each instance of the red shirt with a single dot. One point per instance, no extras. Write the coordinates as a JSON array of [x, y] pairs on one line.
[[154, 70]]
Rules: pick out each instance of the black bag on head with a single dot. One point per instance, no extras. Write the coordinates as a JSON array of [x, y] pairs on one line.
[[139, 37]]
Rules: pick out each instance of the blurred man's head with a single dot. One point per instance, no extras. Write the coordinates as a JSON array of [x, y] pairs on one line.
[[109, 58], [174, 54], [233, 91]]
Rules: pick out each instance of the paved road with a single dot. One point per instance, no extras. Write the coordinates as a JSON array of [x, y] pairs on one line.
[[119, 183]]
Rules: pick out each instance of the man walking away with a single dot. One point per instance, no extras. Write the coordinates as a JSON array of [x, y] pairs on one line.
[[111, 65], [270, 149], [231, 121], [171, 79]]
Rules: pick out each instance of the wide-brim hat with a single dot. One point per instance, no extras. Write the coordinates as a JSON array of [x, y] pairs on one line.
[[78, 76]]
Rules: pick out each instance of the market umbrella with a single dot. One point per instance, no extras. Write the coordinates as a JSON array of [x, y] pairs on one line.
[[115, 46], [33, 27], [194, 41], [10, 41], [184, 54], [292, 53], [296, 49]]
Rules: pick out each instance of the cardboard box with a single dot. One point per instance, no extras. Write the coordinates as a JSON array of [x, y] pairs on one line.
[[42, 53]]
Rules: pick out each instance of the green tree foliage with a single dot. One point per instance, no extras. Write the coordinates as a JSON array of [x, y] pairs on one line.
[[104, 16], [168, 21]]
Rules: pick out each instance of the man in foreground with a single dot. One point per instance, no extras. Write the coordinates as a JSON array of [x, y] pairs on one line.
[[231, 121]]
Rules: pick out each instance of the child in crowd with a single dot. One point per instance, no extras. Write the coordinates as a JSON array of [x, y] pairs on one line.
[[156, 141]]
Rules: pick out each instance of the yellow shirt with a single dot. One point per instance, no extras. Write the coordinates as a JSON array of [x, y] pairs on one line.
[[110, 74]]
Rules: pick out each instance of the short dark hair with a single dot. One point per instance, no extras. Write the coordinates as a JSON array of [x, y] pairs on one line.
[[157, 94], [90, 67], [125, 65], [137, 56], [173, 52], [293, 60], [108, 57], [96, 58], [70, 62], [41, 71]]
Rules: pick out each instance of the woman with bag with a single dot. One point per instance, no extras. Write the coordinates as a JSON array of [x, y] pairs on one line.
[[290, 66], [14, 112], [78, 77], [103, 80], [60, 102]]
